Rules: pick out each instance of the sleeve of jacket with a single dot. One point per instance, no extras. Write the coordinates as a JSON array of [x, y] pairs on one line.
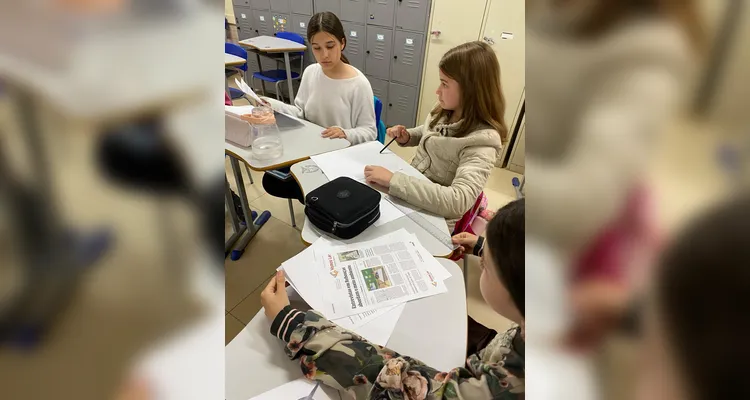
[[475, 165], [345, 361], [415, 136]]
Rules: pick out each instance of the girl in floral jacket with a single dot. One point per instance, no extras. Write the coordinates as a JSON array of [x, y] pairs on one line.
[[347, 362]]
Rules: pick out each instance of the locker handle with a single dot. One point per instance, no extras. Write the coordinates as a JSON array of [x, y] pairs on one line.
[[395, 57], [390, 104], [368, 52]]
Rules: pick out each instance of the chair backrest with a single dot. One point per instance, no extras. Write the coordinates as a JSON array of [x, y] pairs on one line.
[[378, 122], [236, 50], [294, 37]]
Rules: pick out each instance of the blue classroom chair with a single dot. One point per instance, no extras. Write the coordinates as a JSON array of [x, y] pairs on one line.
[[278, 76], [235, 50], [378, 123]]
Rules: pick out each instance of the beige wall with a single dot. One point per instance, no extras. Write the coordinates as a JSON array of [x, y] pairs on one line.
[[229, 11]]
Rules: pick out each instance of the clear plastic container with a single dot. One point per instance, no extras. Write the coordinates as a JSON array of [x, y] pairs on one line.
[[266, 143]]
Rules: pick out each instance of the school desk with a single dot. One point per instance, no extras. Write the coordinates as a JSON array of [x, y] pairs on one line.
[[255, 361], [310, 177], [270, 45]]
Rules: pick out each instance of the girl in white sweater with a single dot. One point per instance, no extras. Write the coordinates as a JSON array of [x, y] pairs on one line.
[[332, 94]]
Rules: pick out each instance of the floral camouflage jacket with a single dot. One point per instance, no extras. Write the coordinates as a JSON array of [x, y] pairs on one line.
[[347, 362]]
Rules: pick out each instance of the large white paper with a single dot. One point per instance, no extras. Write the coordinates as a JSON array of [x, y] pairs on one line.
[[360, 277], [379, 326], [242, 85], [298, 389], [352, 161]]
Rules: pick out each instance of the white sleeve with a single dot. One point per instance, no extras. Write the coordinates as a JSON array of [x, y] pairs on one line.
[[363, 115], [298, 108], [572, 199]]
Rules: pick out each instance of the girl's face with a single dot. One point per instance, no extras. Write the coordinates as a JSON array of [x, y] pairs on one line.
[[449, 93], [494, 292], [327, 50]]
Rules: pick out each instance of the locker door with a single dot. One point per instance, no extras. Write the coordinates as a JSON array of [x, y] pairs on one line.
[[412, 14], [355, 44], [402, 105], [407, 57], [241, 2], [281, 6], [302, 7], [380, 90], [299, 26], [354, 11], [378, 52], [244, 17], [263, 23], [333, 6], [261, 4], [280, 22], [380, 12]]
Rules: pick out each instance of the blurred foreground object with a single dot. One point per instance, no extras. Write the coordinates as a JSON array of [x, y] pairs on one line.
[[135, 79], [699, 320]]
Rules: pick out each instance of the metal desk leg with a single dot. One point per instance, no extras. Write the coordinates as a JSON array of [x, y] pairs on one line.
[[260, 69], [289, 77], [253, 225], [237, 228]]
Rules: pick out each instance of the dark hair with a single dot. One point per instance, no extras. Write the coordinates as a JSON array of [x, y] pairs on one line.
[[506, 237], [702, 292], [327, 22]]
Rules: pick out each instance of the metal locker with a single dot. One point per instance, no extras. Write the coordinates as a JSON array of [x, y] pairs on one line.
[[408, 49], [280, 23], [380, 90], [281, 6], [299, 26], [354, 11], [263, 23], [355, 44], [302, 7], [412, 14], [380, 12], [378, 52], [244, 17], [261, 4], [241, 2], [333, 6], [402, 105]]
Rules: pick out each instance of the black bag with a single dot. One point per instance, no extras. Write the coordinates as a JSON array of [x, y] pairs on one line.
[[343, 207]]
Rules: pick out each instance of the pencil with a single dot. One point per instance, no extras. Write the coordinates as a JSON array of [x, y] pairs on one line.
[[386, 146]]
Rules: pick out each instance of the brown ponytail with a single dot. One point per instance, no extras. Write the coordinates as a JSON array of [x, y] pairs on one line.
[[329, 23]]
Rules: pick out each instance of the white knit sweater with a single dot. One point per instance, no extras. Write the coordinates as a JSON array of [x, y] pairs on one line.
[[345, 103]]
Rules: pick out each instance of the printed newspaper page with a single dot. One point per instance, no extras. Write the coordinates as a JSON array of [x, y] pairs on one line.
[[373, 275]]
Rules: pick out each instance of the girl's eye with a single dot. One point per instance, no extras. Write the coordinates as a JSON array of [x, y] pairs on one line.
[[329, 47]]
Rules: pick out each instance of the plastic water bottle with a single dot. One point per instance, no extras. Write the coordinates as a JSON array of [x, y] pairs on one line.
[[267, 139]]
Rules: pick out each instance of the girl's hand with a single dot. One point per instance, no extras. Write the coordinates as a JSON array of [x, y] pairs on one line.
[[274, 297], [334, 132], [467, 241], [378, 175], [400, 133]]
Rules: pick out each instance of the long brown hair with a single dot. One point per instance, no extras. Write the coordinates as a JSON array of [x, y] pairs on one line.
[[329, 23], [475, 67]]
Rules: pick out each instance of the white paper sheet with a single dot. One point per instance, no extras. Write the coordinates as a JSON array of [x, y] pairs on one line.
[[352, 161], [298, 389], [242, 85], [388, 213], [379, 329]]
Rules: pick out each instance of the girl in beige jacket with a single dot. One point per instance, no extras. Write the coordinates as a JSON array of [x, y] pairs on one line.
[[460, 140]]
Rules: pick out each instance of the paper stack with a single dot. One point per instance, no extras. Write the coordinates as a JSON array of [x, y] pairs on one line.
[[365, 286]]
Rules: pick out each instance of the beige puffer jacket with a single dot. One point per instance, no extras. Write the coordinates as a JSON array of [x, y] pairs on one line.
[[458, 168]]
